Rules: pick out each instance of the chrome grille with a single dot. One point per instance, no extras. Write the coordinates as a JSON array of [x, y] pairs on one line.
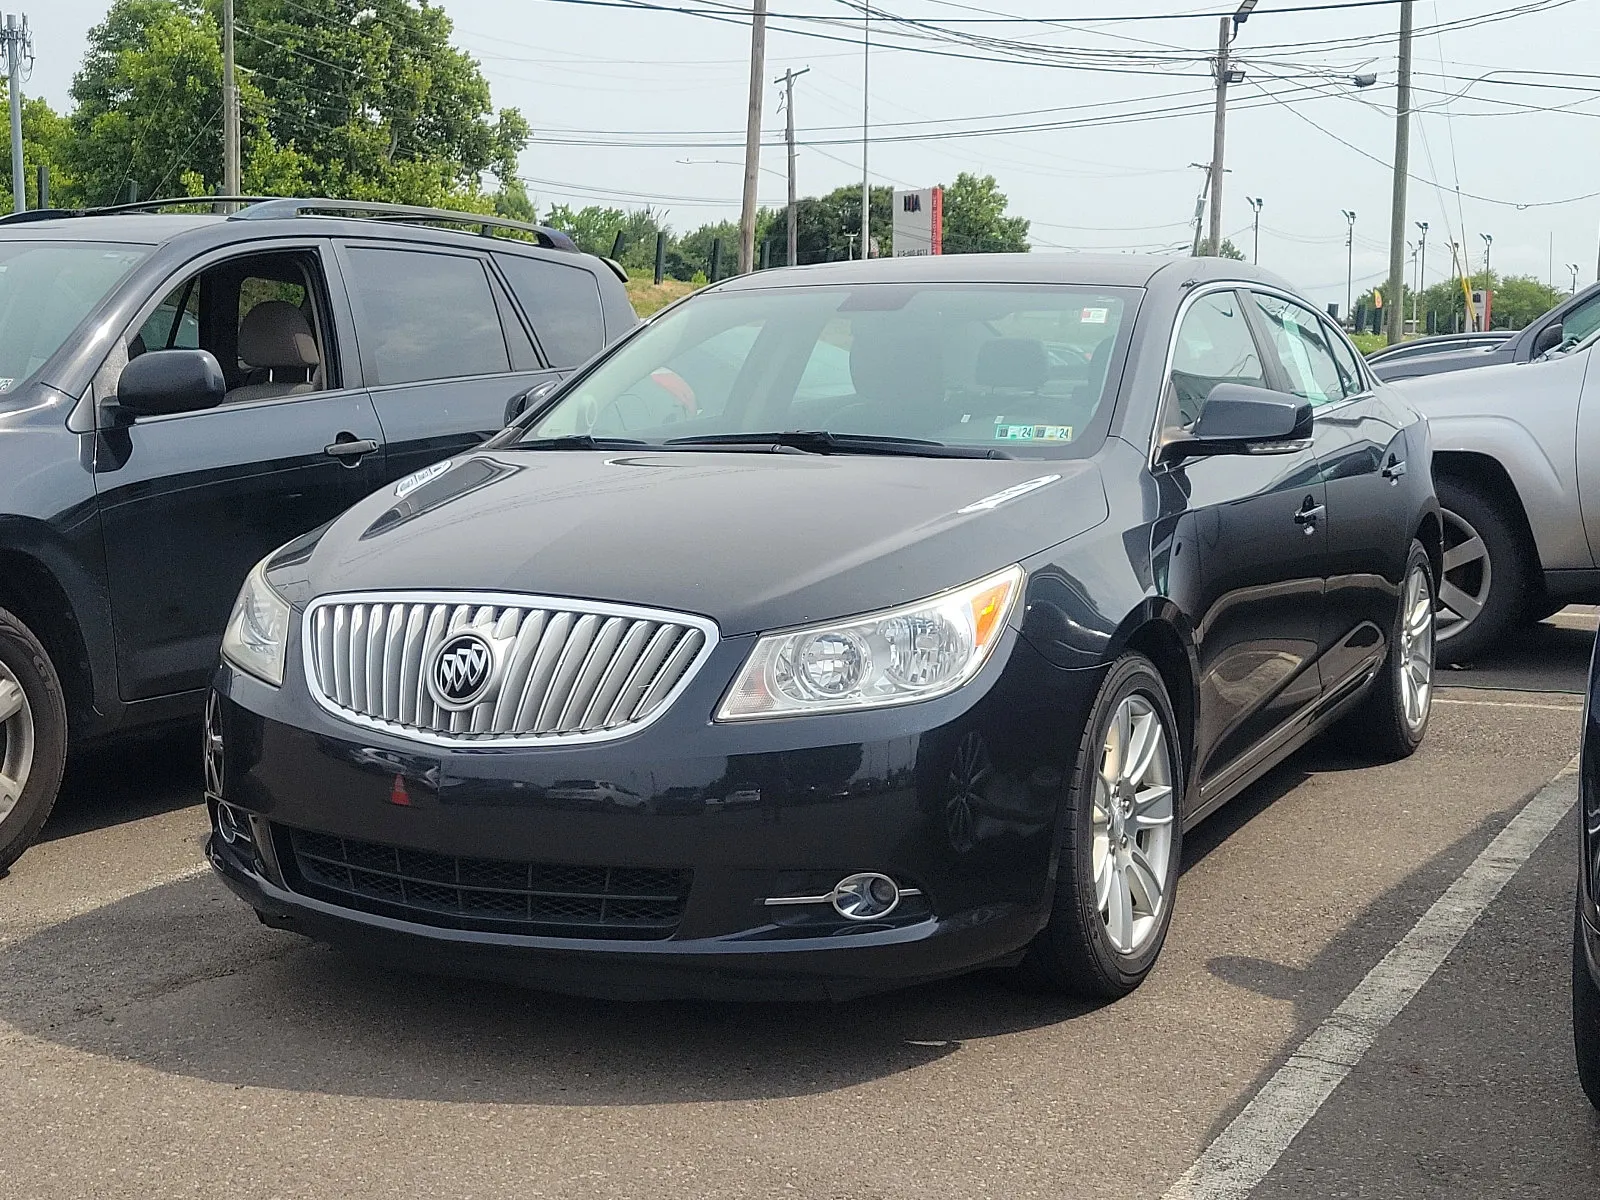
[[562, 670]]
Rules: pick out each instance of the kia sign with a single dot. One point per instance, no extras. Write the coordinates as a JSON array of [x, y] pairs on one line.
[[919, 222]]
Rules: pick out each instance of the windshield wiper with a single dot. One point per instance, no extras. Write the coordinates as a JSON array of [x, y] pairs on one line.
[[578, 441], [820, 441]]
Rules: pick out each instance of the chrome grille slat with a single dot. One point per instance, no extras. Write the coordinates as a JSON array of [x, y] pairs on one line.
[[562, 670]]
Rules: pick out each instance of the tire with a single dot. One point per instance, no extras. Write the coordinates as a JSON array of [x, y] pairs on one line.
[[1585, 1016], [1077, 952], [1495, 581], [33, 738], [1392, 720]]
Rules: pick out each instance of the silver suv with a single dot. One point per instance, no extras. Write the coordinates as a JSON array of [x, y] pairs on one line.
[[1516, 461]]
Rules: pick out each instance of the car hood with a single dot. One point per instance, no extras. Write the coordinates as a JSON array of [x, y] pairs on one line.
[[752, 540], [1503, 390]]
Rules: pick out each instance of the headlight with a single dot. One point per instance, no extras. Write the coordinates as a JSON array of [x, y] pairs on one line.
[[258, 631], [913, 653]]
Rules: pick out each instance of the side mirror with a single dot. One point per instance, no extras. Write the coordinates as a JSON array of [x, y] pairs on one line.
[[523, 401], [1548, 339], [1239, 419], [170, 381]]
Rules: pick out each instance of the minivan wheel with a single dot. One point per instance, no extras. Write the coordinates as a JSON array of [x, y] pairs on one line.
[[1121, 843], [33, 737], [1484, 589], [1585, 1016]]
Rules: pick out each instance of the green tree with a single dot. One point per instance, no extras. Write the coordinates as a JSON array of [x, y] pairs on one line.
[[376, 101], [828, 227], [1521, 299], [975, 220], [45, 134], [691, 254], [1229, 250]]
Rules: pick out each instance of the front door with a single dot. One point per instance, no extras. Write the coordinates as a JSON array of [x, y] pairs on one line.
[[1361, 448], [190, 502], [442, 349], [1262, 537]]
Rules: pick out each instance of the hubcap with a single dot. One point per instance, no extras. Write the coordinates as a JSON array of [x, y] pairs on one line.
[[1416, 648], [1467, 576], [16, 741], [213, 747], [1133, 811]]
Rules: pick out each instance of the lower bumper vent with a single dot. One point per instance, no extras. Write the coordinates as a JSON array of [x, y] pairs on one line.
[[491, 895]]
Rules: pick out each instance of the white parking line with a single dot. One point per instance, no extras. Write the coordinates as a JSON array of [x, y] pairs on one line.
[[1575, 707], [1242, 1154]]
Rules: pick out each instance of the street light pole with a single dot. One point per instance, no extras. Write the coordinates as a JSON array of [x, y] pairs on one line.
[[1349, 264], [1255, 203], [1573, 267], [866, 94]]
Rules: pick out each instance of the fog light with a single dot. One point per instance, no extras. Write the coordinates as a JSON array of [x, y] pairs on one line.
[[867, 896]]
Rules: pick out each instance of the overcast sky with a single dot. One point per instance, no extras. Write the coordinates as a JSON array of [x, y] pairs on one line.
[[675, 84]]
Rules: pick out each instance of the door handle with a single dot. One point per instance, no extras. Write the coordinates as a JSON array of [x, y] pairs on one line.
[[1309, 515], [1395, 469], [349, 449]]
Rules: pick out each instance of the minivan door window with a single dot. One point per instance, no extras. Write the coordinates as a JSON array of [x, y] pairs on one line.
[[562, 302], [424, 316]]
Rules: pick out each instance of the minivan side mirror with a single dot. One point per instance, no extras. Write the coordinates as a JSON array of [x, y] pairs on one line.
[[1239, 419], [523, 401], [159, 382], [1548, 339]]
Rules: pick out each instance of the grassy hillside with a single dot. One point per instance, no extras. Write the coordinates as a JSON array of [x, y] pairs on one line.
[[651, 297]]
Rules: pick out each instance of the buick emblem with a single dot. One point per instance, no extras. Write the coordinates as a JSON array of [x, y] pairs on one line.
[[461, 671]]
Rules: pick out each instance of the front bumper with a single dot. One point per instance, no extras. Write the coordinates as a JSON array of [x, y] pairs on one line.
[[956, 798]]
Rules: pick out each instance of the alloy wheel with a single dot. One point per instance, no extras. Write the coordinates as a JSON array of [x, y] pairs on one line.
[[16, 741], [1417, 624], [1133, 811], [1468, 575]]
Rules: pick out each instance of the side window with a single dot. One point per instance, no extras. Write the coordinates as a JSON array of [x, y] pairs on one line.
[[1214, 346], [175, 324], [423, 316], [259, 315], [1581, 321], [1345, 358], [1302, 348], [562, 302]]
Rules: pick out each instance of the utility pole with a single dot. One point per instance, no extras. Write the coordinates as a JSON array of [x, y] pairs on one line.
[[230, 107], [1227, 30], [1349, 262], [1219, 124], [16, 38], [1396, 313], [866, 189], [787, 80], [1255, 203], [752, 136]]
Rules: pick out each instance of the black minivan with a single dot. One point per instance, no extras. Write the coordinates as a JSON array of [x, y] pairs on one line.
[[180, 392]]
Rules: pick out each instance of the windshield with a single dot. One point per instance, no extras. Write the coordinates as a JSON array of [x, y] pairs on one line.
[[46, 289], [1023, 369]]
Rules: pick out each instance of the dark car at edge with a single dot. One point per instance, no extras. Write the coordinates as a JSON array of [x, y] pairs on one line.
[[841, 628]]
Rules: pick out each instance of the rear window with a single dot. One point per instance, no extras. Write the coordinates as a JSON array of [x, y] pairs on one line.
[[563, 303], [46, 290], [424, 316]]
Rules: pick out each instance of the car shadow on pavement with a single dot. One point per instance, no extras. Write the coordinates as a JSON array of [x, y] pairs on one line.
[[127, 781], [181, 979]]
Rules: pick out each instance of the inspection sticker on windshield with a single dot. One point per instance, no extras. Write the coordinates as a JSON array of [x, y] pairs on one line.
[[1033, 433], [417, 478], [1093, 316]]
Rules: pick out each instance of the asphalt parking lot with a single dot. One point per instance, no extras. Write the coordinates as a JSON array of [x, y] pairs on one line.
[[156, 1041]]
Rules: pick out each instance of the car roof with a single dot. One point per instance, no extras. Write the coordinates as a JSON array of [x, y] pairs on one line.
[[1101, 270], [149, 229]]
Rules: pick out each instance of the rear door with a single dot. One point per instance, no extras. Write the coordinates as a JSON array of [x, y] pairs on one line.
[[1361, 449], [442, 348], [1262, 541], [189, 502]]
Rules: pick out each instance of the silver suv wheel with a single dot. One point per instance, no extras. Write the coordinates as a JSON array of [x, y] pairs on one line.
[[16, 741], [1468, 576]]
